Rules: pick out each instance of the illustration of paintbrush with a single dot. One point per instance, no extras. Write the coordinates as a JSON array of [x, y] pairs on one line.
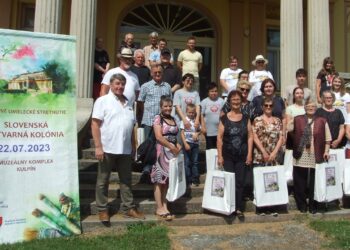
[[61, 218], [45, 219]]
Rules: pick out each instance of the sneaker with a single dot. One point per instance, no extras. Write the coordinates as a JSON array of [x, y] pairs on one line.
[[104, 216], [261, 214], [274, 214], [133, 213]]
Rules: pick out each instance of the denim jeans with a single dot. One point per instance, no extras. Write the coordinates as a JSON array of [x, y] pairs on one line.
[[191, 163]]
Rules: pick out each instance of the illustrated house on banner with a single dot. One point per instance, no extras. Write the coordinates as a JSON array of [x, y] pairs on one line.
[[36, 82]]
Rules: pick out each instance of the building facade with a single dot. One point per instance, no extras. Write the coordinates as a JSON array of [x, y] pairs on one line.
[[291, 34]]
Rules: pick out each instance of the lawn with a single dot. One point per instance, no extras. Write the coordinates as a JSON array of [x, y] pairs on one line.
[[338, 232], [137, 236]]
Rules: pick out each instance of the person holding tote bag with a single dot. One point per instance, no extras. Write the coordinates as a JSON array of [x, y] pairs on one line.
[[268, 139], [235, 145], [311, 143], [165, 130]]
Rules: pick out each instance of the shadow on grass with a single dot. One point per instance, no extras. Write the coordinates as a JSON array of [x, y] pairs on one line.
[[138, 236]]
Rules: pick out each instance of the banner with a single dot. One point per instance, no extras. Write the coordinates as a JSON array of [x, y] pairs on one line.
[[39, 190]]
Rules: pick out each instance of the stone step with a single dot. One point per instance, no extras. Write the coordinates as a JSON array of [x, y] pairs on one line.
[[91, 223], [88, 153], [86, 164], [184, 205], [138, 190], [89, 177]]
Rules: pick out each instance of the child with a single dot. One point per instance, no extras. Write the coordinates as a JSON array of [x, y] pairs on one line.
[[211, 107], [190, 139]]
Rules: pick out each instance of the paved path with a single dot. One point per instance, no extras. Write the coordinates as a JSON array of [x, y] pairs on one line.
[[276, 235]]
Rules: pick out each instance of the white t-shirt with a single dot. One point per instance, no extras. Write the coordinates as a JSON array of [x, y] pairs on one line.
[[189, 132], [117, 124], [190, 61], [132, 82], [256, 77], [231, 78], [340, 102]]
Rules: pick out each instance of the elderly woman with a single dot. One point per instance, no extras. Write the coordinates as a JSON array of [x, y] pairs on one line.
[[334, 117], [268, 139], [246, 106], [311, 143], [235, 145], [258, 75], [165, 130]]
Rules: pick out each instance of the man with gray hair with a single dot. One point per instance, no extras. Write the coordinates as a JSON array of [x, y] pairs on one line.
[[112, 128], [153, 46]]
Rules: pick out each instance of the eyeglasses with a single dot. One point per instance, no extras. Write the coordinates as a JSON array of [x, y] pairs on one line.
[[268, 105], [260, 62], [244, 90], [157, 72]]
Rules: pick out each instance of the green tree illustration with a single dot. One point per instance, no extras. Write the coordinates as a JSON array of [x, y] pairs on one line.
[[61, 81]]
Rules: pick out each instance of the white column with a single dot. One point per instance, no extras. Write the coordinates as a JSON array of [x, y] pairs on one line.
[[48, 16], [318, 38], [82, 25], [292, 50]]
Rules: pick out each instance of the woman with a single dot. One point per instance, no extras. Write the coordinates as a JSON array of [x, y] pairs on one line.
[[325, 77], [257, 76], [235, 145], [311, 143], [247, 108], [341, 97], [334, 117], [165, 130], [268, 139], [297, 108]]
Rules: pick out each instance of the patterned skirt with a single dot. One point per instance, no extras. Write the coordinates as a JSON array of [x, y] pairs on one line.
[[160, 170]]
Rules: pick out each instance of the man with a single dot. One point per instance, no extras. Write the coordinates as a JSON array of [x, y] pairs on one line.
[[153, 46], [128, 43], [154, 58], [112, 129], [101, 66], [191, 61], [149, 99], [301, 76], [171, 74], [139, 68], [132, 86], [229, 76]]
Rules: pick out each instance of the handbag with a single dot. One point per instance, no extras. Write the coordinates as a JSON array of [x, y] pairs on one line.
[[346, 182], [327, 182], [177, 178], [147, 151], [288, 165], [219, 192], [339, 156], [270, 186]]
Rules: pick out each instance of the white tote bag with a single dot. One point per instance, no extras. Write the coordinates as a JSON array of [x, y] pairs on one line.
[[339, 156], [211, 156], [177, 178], [327, 182], [270, 186], [219, 192], [346, 183], [288, 165]]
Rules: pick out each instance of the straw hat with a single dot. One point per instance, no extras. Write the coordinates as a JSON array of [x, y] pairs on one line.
[[259, 58]]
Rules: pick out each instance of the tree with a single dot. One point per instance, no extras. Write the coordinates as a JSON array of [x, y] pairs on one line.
[[61, 81]]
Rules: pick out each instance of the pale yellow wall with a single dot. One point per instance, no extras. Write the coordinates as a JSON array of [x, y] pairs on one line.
[[338, 39]]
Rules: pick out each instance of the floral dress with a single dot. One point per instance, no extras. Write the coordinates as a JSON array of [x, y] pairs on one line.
[[160, 170], [268, 134]]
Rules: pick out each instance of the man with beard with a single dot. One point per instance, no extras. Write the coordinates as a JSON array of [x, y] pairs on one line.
[[132, 86]]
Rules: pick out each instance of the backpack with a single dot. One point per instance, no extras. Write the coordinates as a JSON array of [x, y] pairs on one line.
[[147, 152]]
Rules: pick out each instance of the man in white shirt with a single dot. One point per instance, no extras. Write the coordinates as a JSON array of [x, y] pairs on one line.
[[229, 76], [112, 128], [132, 86], [191, 61]]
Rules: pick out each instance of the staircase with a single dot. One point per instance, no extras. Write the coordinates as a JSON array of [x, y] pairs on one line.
[[188, 209]]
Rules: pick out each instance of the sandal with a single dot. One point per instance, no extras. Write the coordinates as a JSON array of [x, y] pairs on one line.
[[165, 217], [240, 215]]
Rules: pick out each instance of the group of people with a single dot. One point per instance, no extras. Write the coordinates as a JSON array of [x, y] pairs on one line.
[[250, 125]]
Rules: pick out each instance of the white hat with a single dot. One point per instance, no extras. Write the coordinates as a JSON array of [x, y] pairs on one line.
[[259, 58], [126, 53]]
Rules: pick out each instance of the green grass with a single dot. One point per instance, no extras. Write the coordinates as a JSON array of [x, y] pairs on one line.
[[337, 231], [138, 236]]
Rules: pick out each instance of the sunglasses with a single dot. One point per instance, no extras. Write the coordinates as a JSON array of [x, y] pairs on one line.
[[260, 62], [268, 105], [244, 90]]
